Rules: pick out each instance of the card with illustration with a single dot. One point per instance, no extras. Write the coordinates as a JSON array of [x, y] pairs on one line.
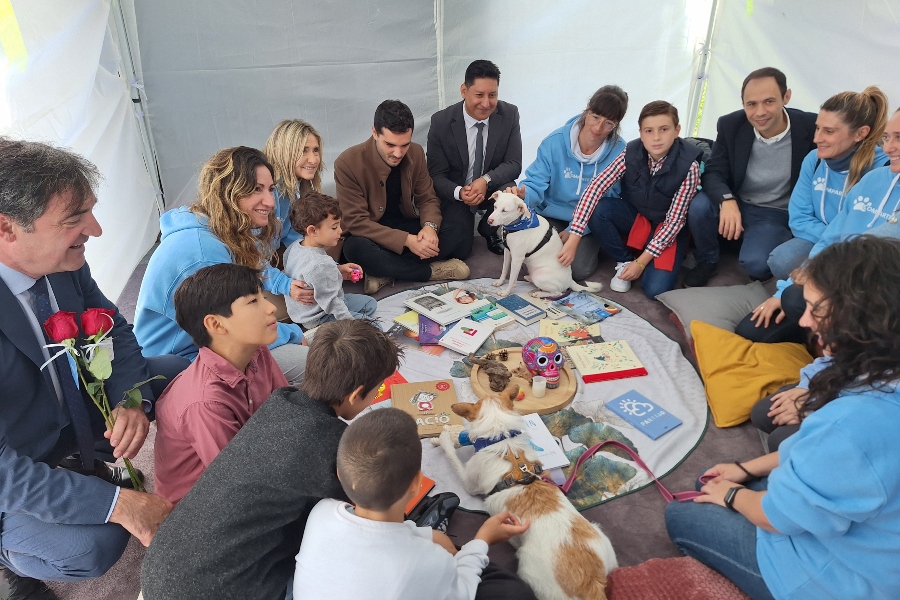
[[429, 404], [607, 360]]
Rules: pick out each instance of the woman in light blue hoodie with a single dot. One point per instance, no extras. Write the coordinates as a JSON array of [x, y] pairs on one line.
[[848, 129], [820, 518], [233, 220], [872, 205], [568, 159], [294, 149]]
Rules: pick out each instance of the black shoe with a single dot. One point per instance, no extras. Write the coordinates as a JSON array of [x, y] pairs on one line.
[[494, 244], [700, 275], [26, 588], [117, 476], [435, 511]]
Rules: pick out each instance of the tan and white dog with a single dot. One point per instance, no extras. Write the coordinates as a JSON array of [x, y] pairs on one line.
[[530, 240], [562, 556]]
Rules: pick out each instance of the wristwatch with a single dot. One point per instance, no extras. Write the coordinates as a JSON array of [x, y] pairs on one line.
[[729, 497], [432, 225], [487, 178], [727, 196]]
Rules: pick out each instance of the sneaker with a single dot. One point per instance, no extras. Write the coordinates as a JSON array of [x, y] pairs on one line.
[[117, 476], [372, 284], [435, 511], [620, 285], [449, 269], [26, 588], [700, 275]]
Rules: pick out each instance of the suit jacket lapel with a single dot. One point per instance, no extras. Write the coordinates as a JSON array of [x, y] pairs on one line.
[[458, 128], [495, 122], [742, 147], [16, 326]]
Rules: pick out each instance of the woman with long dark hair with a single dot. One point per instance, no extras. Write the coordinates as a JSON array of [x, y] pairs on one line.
[[820, 518]]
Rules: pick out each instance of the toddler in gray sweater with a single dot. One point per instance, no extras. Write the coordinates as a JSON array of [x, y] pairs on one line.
[[318, 218]]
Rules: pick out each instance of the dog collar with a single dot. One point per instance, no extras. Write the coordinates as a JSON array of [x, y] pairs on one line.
[[523, 222], [482, 443]]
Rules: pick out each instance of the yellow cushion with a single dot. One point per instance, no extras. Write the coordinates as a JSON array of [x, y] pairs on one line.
[[738, 373]]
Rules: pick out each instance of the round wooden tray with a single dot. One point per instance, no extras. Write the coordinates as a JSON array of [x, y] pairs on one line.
[[553, 400]]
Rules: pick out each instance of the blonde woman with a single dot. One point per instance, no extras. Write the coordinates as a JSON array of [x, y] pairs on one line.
[[233, 220], [294, 150]]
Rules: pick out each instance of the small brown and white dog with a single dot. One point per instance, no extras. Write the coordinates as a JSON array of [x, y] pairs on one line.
[[562, 556], [530, 240]]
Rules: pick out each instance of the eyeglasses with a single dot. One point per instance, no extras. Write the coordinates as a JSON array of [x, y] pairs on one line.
[[609, 125]]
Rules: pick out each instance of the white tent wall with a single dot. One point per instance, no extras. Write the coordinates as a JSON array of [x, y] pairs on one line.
[[219, 75], [553, 56], [824, 47], [69, 90]]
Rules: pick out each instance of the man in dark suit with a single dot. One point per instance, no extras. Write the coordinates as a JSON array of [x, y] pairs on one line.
[[475, 148], [59, 524], [749, 177]]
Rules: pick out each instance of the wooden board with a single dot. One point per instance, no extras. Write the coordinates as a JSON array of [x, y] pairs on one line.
[[553, 400]]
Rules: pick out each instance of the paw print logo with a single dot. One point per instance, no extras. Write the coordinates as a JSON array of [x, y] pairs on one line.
[[863, 204], [635, 408], [819, 184], [568, 173]]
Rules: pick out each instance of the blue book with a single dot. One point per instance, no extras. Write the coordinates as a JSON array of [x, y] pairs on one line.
[[641, 412]]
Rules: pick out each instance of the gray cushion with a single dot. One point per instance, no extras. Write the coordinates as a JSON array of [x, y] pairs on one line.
[[723, 307]]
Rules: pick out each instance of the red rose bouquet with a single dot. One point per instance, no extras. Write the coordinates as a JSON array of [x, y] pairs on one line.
[[92, 362]]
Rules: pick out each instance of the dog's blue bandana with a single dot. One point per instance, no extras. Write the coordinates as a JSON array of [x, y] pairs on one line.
[[523, 222], [482, 443]]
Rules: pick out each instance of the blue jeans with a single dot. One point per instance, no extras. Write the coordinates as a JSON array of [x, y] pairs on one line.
[[360, 306], [721, 539], [788, 256], [612, 220], [764, 230]]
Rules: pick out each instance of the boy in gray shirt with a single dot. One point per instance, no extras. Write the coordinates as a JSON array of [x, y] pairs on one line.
[[318, 218]]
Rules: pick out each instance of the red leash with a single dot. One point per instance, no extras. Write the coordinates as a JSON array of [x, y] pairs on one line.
[[669, 496]]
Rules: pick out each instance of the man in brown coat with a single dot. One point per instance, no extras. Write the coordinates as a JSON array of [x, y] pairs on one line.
[[393, 217]]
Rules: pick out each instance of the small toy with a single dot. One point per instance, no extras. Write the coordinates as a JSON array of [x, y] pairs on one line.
[[543, 357], [355, 275]]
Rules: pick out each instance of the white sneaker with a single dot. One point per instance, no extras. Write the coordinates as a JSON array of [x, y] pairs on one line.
[[620, 285]]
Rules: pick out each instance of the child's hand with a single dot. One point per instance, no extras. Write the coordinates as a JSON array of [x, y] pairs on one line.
[[347, 270], [726, 472], [570, 247], [785, 409], [500, 528]]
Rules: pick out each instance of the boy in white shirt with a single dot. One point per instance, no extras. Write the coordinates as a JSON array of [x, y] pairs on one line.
[[378, 463]]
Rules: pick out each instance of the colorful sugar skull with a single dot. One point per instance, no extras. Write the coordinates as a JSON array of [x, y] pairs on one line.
[[542, 357]]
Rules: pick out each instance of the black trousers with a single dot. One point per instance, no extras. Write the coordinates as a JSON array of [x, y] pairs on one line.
[[499, 584], [454, 240], [761, 420], [789, 330]]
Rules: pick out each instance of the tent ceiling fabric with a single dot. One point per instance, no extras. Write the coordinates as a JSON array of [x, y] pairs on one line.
[[72, 94], [217, 75], [823, 47]]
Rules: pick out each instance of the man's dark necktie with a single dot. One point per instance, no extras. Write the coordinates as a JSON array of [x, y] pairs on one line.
[[478, 169], [78, 413]]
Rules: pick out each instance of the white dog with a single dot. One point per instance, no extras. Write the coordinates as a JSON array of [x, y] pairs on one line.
[[562, 556], [530, 239]]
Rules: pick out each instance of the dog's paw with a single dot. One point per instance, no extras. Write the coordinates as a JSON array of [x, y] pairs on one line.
[[448, 440], [504, 293], [498, 283], [528, 278]]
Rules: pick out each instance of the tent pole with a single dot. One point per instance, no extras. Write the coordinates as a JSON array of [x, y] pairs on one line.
[[149, 152], [698, 88], [439, 36]]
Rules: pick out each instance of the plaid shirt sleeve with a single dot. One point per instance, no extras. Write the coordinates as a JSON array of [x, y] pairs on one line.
[[677, 214], [594, 191]]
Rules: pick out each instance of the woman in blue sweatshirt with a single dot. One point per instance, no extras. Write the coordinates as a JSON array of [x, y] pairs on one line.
[[233, 220], [873, 205], [568, 159], [820, 518], [848, 129]]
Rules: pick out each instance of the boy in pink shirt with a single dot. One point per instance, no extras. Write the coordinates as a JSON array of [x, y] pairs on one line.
[[223, 310]]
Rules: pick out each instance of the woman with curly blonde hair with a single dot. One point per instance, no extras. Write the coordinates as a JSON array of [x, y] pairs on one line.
[[295, 151], [233, 220]]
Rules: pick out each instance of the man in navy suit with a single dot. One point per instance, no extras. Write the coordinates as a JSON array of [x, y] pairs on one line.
[[749, 177], [55, 523], [475, 148]]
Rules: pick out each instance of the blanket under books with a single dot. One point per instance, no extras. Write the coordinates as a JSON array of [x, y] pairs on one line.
[[671, 381]]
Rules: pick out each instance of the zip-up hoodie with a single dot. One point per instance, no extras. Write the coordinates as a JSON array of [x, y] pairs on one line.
[[557, 177], [283, 211], [819, 193], [873, 201], [187, 246]]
